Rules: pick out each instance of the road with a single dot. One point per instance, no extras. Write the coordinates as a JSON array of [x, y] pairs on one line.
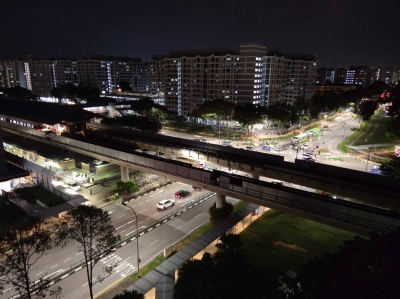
[[150, 245], [60, 259], [338, 128]]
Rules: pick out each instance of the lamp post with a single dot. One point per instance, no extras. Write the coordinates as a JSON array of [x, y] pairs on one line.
[[369, 155], [137, 237]]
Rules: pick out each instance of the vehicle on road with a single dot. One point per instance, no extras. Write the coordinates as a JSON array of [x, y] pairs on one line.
[[201, 164], [165, 204], [326, 126], [266, 148], [309, 155], [309, 158], [232, 170], [314, 133], [276, 182], [227, 143], [196, 188], [299, 138], [250, 148], [237, 127], [74, 186], [304, 146], [182, 194]]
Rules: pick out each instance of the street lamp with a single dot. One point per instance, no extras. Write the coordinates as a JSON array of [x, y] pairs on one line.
[[369, 155], [137, 237]]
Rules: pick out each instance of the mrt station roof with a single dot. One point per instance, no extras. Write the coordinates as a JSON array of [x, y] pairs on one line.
[[44, 113], [44, 150]]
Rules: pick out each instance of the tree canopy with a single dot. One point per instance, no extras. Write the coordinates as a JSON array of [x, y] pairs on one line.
[[391, 168], [362, 268], [29, 241], [92, 229], [125, 86], [281, 113], [366, 109], [216, 109], [248, 115], [142, 123], [19, 93]]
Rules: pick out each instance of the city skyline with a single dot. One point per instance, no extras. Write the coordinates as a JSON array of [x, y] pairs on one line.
[[339, 34]]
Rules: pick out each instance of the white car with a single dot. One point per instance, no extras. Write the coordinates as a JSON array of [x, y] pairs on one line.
[[165, 204], [74, 186]]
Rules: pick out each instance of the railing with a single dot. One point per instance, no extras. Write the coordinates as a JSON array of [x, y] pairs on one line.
[[306, 202], [130, 237]]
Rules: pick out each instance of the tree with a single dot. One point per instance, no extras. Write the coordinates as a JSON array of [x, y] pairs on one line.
[[57, 93], [393, 128], [196, 279], [248, 115], [128, 187], [129, 295], [22, 244], [216, 110], [366, 109], [391, 168], [19, 93], [281, 113], [363, 268], [374, 90], [91, 227], [125, 86]]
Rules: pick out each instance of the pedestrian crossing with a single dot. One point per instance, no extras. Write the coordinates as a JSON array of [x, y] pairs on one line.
[[122, 268]]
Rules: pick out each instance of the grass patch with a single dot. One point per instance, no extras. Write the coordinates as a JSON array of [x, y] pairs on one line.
[[342, 146], [149, 267], [337, 159], [238, 206], [38, 192], [282, 242], [375, 131]]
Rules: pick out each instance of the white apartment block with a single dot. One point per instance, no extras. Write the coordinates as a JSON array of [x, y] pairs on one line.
[[104, 72], [12, 73], [238, 75]]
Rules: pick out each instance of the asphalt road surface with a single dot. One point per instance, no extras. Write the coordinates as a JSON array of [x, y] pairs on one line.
[[58, 260]]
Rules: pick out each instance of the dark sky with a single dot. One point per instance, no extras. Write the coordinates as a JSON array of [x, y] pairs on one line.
[[339, 32]]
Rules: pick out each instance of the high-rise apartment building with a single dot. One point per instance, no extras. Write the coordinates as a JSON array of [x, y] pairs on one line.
[[104, 72], [245, 74], [12, 73]]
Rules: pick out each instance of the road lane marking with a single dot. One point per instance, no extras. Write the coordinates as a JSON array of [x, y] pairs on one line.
[[80, 253], [39, 273], [53, 266], [155, 214], [142, 211], [67, 260], [122, 231], [153, 243], [118, 217], [177, 228]]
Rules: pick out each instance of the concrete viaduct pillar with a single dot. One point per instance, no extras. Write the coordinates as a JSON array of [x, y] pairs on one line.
[[255, 176], [124, 174], [220, 202]]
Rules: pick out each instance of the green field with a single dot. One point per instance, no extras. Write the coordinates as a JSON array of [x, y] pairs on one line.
[[282, 242]]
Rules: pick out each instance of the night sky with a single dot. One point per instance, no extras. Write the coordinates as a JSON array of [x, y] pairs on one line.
[[339, 32]]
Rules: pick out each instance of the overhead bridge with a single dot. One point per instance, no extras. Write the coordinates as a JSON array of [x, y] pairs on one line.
[[379, 190], [343, 214]]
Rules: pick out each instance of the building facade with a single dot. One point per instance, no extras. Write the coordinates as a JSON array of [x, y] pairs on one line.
[[241, 75], [104, 72], [12, 73]]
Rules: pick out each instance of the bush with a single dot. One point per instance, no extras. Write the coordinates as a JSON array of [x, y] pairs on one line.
[[126, 188], [129, 295], [217, 215]]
